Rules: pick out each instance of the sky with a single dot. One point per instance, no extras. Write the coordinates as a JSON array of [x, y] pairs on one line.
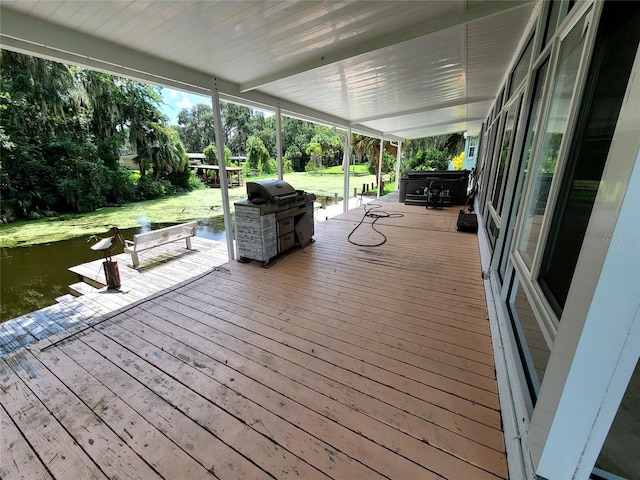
[[175, 101]]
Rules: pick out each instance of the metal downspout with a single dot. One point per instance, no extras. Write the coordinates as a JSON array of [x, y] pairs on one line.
[[380, 164], [224, 187], [398, 162], [279, 140], [345, 170]]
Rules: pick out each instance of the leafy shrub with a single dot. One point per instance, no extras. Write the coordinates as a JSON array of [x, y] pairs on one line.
[[267, 166], [430, 159], [292, 157], [83, 183], [180, 178], [257, 153], [312, 167], [458, 161], [122, 185], [194, 181], [211, 155], [148, 188]]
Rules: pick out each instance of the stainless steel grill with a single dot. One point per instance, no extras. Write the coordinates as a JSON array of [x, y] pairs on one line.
[[274, 218]]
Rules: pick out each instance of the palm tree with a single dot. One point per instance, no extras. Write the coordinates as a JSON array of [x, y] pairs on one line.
[[368, 147]]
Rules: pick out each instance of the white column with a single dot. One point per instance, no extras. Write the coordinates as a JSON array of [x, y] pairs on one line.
[[398, 162], [346, 161], [279, 140], [380, 165], [224, 187]]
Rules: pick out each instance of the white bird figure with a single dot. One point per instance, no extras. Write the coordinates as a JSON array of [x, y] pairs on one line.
[[107, 244]]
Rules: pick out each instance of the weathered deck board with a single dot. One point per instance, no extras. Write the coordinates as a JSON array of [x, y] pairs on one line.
[[242, 346], [336, 361], [18, 459], [41, 429], [148, 441], [197, 425], [171, 266]]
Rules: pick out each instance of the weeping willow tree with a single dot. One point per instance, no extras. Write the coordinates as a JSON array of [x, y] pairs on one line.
[[62, 132]]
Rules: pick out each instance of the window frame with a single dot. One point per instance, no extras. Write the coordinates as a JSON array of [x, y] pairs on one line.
[[530, 285]]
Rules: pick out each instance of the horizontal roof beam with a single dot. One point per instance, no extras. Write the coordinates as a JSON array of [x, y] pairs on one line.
[[409, 33], [460, 102], [403, 131]]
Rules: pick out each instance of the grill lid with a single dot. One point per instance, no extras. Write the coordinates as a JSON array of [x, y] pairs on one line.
[[269, 191]]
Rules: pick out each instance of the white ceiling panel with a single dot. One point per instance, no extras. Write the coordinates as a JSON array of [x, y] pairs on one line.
[[403, 67], [363, 86]]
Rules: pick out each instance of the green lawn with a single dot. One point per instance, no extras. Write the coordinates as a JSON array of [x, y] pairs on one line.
[[353, 169], [203, 203]]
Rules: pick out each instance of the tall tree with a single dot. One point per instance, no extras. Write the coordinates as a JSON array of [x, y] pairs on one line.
[[235, 120], [364, 147], [196, 127], [297, 133], [63, 128], [332, 145]]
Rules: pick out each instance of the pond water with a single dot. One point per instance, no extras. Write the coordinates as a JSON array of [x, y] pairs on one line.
[[32, 277]]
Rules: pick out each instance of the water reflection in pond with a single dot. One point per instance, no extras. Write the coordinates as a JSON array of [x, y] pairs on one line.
[[32, 277]]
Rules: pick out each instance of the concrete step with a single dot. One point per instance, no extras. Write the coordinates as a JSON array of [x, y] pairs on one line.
[[64, 298], [80, 288]]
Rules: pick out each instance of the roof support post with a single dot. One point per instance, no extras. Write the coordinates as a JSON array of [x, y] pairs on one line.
[[346, 161], [279, 140], [398, 162], [224, 186], [380, 164]]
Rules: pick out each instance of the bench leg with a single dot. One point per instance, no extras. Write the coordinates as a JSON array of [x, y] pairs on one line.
[[188, 240], [134, 259]]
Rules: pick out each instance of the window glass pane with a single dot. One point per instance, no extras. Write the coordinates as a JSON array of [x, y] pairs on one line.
[[509, 161], [554, 130], [552, 21], [618, 37], [503, 155], [522, 68], [493, 231], [499, 102], [536, 102], [533, 348], [487, 163]]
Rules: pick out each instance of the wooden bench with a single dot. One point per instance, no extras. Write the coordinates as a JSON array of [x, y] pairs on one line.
[[155, 238]]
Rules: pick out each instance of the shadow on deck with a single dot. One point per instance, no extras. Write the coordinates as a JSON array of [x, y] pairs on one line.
[[337, 361]]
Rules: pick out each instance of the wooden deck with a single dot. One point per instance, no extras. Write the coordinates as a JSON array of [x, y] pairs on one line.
[[337, 361], [160, 268]]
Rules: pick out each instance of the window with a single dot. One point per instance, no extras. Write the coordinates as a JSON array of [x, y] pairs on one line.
[[618, 37], [536, 102], [493, 231], [487, 162], [532, 345], [551, 24], [549, 150], [521, 69]]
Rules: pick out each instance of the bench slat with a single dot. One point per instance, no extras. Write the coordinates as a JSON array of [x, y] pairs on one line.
[[155, 238]]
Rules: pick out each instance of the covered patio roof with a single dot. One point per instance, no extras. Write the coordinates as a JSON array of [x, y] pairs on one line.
[[402, 69]]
